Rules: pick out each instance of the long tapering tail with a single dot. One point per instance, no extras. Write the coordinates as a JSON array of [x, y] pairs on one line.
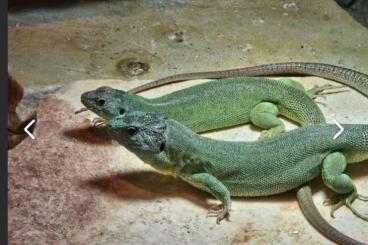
[[349, 77]]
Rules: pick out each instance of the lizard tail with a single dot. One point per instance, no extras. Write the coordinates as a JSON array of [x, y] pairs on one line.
[[310, 211], [351, 78]]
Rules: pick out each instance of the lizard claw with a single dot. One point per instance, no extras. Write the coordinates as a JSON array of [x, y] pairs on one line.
[[218, 211], [271, 133], [215, 209], [336, 207], [322, 93], [331, 201], [362, 198], [348, 201], [98, 121], [319, 91]]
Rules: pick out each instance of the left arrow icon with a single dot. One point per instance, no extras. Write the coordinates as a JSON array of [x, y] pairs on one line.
[[27, 127]]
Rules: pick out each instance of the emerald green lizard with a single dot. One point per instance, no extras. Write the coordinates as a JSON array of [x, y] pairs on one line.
[[260, 168]]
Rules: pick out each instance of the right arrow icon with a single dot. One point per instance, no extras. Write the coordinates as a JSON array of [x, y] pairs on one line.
[[341, 130]]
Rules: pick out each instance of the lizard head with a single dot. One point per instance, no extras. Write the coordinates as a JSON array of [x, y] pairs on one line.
[[108, 103], [141, 131]]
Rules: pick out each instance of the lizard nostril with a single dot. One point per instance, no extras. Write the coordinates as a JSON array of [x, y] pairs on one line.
[[121, 111]]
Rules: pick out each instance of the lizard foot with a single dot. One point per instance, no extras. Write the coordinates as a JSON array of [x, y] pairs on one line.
[[319, 91], [348, 201], [215, 208], [98, 121], [331, 201], [266, 134], [220, 212], [362, 198]]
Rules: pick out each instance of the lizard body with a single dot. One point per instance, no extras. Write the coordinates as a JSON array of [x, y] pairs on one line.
[[260, 168], [349, 77], [217, 104]]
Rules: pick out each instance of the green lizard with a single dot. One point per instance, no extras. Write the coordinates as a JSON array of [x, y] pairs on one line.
[[218, 104], [260, 168]]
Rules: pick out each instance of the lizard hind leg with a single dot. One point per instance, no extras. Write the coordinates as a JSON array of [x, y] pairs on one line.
[[332, 174], [292, 83], [317, 90], [320, 90], [264, 115]]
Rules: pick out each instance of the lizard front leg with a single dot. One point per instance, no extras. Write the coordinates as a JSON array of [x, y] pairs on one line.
[[216, 188], [332, 174]]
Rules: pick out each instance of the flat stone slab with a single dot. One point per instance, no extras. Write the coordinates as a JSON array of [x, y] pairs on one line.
[[152, 39], [72, 185]]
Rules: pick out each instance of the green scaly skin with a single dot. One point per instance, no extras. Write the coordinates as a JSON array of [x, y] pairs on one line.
[[261, 168], [202, 111]]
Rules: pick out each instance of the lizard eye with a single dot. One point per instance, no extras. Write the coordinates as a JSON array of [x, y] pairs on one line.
[[100, 102], [132, 131], [121, 111]]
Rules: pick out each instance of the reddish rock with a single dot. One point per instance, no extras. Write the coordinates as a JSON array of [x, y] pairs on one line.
[[48, 197]]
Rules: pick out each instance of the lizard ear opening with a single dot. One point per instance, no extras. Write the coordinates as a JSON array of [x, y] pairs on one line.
[[162, 146], [132, 131]]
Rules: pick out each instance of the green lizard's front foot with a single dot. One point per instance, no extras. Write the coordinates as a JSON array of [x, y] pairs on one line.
[[271, 133], [348, 201], [220, 212], [98, 121]]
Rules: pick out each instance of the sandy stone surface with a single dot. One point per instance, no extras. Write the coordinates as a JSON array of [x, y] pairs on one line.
[[151, 39], [72, 185]]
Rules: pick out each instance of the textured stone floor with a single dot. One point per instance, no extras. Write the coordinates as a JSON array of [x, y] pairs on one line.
[[73, 186]]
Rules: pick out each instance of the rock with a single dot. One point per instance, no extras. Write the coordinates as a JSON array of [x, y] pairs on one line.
[[151, 40], [22, 108], [73, 186], [15, 94]]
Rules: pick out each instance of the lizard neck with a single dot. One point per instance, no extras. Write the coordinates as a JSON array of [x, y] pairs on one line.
[[135, 102]]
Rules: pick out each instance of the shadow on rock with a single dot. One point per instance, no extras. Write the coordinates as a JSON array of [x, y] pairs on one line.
[[92, 135], [358, 170], [147, 185], [151, 185]]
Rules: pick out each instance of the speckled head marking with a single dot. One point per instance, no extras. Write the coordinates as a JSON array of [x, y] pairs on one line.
[[105, 102], [139, 130]]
